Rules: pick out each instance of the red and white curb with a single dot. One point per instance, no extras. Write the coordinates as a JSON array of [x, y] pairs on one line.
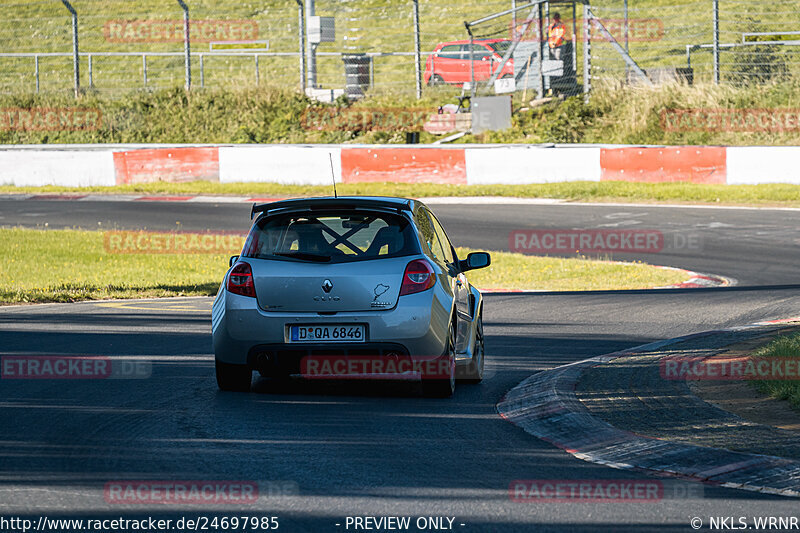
[[698, 280], [545, 406]]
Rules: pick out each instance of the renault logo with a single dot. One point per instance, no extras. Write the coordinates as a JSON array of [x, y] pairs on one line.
[[327, 285]]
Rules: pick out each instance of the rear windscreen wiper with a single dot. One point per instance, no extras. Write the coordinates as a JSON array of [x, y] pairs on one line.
[[305, 256]]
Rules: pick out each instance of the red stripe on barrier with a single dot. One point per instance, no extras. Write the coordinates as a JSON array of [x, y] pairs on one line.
[[694, 164], [404, 165], [166, 164]]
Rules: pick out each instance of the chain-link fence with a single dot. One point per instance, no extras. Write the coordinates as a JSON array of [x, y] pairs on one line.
[[756, 41], [127, 45]]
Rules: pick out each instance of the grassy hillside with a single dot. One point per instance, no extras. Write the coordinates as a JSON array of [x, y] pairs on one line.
[[361, 26], [661, 29], [274, 115]]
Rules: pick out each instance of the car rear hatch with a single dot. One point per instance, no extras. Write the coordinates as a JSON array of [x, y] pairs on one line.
[[326, 261], [293, 286]]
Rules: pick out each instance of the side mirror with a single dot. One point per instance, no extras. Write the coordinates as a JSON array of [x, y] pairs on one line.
[[475, 261], [232, 260]]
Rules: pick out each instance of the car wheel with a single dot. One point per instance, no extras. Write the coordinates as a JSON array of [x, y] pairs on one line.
[[436, 80], [474, 373], [235, 378], [444, 388]]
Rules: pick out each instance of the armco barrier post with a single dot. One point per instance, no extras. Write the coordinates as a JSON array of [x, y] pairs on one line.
[[186, 45], [75, 58]]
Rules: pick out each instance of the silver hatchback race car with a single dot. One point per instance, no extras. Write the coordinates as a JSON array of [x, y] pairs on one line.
[[349, 288]]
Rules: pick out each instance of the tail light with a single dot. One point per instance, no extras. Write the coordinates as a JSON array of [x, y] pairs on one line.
[[240, 280], [418, 277]]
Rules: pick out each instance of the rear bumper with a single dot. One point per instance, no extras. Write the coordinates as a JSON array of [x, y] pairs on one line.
[[319, 360], [241, 330]]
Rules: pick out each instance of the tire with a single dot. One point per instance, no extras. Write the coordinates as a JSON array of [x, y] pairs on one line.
[[444, 388], [234, 378], [474, 371], [435, 81]]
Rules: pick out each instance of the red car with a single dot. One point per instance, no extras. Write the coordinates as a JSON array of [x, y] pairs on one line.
[[449, 62]]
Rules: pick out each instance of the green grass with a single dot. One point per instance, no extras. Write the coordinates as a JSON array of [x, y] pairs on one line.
[[70, 265], [273, 114], [609, 191], [362, 26], [522, 272], [784, 346]]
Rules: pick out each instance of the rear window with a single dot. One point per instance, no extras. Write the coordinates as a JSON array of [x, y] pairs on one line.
[[330, 237]]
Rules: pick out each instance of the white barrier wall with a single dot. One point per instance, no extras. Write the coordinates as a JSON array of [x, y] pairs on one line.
[[106, 165], [291, 165], [531, 164], [750, 165], [65, 167]]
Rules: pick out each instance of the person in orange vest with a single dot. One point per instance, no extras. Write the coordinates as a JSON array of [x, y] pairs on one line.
[[557, 36]]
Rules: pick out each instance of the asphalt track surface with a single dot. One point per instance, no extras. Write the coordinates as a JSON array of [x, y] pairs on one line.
[[366, 450]]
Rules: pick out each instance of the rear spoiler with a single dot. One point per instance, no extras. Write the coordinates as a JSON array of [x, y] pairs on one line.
[[317, 204]]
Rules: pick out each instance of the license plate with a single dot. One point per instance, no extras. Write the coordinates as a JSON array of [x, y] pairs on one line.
[[327, 333]]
